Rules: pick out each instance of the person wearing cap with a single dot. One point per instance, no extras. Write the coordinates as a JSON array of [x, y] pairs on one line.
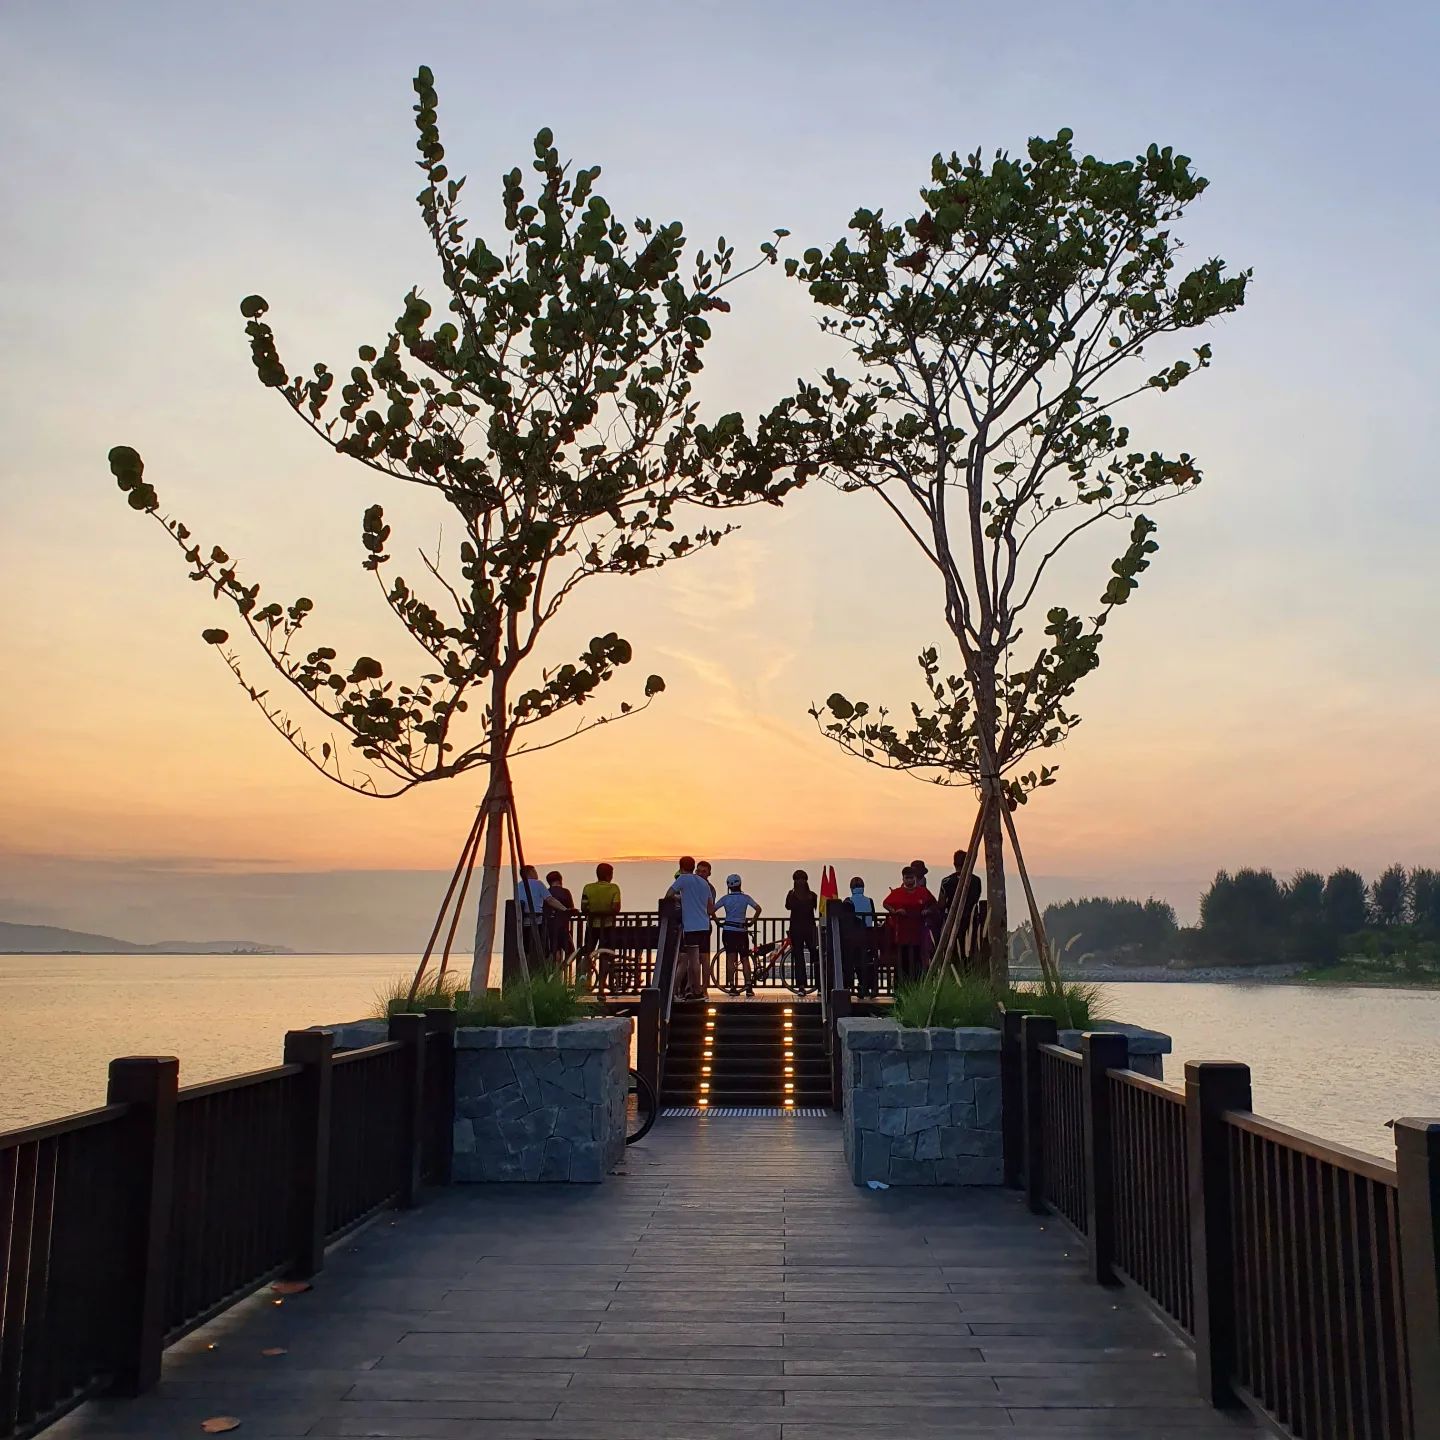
[[733, 909]]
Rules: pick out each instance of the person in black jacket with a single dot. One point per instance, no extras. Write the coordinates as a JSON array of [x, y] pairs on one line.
[[802, 903], [947, 897]]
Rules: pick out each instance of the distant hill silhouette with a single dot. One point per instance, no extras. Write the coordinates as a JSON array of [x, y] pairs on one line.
[[52, 940]]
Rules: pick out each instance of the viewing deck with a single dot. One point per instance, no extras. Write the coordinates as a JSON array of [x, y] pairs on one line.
[[729, 1284]]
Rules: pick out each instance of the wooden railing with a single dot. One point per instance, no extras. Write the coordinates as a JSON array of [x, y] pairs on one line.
[[123, 1228], [1306, 1275]]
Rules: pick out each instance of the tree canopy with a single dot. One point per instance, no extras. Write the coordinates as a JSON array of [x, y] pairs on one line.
[[550, 404]]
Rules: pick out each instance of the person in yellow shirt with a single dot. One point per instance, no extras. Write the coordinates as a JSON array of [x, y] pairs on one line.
[[599, 904]]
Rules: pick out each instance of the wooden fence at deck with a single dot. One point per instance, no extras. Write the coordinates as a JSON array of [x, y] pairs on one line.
[[124, 1228], [1305, 1275]]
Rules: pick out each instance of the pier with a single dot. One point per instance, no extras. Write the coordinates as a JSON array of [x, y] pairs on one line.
[[1159, 1261]]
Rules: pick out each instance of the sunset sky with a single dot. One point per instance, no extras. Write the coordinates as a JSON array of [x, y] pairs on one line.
[[1270, 697]]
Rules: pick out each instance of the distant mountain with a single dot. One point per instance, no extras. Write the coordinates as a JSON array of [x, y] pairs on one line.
[[52, 940]]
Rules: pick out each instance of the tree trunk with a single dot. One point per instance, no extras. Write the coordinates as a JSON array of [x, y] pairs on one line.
[[497, 797], [489, 906], [996, 917]]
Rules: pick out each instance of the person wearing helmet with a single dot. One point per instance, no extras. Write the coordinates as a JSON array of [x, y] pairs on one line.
[[733, 908], [801, 902]]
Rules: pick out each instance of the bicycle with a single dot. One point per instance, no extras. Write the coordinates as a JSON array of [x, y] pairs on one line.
[[641, 1108]]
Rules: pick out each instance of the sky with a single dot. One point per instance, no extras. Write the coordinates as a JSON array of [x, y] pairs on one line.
[[1270, 697]]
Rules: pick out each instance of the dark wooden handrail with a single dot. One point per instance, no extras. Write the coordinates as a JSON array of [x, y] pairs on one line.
[[125, 1226], [1306, 1273]]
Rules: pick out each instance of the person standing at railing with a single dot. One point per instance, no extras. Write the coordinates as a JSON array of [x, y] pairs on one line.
[[534, 903], [599, 905], [907, 905], [858, 942], [697, 909], [733, 908], [802, 903], [710, 961], [971, 898], [558, 943]]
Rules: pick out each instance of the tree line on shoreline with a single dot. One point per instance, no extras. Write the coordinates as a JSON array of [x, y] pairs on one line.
[[1251, 917]]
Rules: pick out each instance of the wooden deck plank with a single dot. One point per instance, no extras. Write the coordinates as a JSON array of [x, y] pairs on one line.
[[731, 1284]]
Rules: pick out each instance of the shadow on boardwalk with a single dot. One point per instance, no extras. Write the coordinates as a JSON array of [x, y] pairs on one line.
[[731, 1284]]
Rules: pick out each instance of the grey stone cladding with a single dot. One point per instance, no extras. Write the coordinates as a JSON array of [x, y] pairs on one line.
[[922, 1107], [541, 1104]]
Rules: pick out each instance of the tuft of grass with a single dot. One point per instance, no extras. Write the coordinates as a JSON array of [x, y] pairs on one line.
[[972, 1001], [550, 998], [952, 1003], [393, 998], [1073, 1004]]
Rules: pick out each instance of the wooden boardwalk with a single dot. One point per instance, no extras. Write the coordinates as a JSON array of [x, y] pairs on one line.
[[730, 1285]]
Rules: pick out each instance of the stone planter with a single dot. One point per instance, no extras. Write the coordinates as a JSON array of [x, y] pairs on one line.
[[535, 1103], [922, 1107]]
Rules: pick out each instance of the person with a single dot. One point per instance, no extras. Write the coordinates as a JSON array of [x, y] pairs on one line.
[[802, 902], [907, 905], [863, 937], [931, 920], [697, 909], [967, 910], [559, 906], [599, 905], [734, 908], [532, 900], [711, 962]]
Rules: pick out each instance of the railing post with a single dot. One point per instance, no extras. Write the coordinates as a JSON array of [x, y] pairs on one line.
[[310, 1127], [1101, 1053], [148, 1084], [1211, 1089], [1012, 1098], [440, 1026], [1035, 1031], [647, 1037], [409, 1030], [1417, 1174], [841, 1008], [510, 947]]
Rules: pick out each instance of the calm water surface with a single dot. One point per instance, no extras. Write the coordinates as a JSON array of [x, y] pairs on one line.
[[1339, 1062]]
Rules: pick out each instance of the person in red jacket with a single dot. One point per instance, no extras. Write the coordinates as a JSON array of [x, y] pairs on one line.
[[907, 906]]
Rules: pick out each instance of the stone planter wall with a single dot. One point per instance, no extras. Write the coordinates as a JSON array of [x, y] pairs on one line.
[[533, 1103], [922, 1107]]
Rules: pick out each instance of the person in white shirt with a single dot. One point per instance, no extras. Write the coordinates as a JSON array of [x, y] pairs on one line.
[[733, 908], [697, 907]]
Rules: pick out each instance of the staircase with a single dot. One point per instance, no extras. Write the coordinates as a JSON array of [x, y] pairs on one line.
[[753, 1051]]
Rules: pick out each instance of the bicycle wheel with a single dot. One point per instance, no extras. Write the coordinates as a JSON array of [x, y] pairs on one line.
[[640, 1108]]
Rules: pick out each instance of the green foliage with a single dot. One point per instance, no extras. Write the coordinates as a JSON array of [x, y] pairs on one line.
[[1243, 917], [1249, 918], [1072, 1004], [549, 998], [991, 336], [547, 398], [1390, 897], [950, 1004], [1344, 902], [973, 1000], [1123, 931], [434, 993]]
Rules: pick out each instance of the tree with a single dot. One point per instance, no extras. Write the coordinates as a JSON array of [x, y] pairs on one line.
[[993, 335], [1425, 898], [1346, 911], [551, 408], [1243, 917], [1308, 935], [1390, 897], [1101, 927]]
